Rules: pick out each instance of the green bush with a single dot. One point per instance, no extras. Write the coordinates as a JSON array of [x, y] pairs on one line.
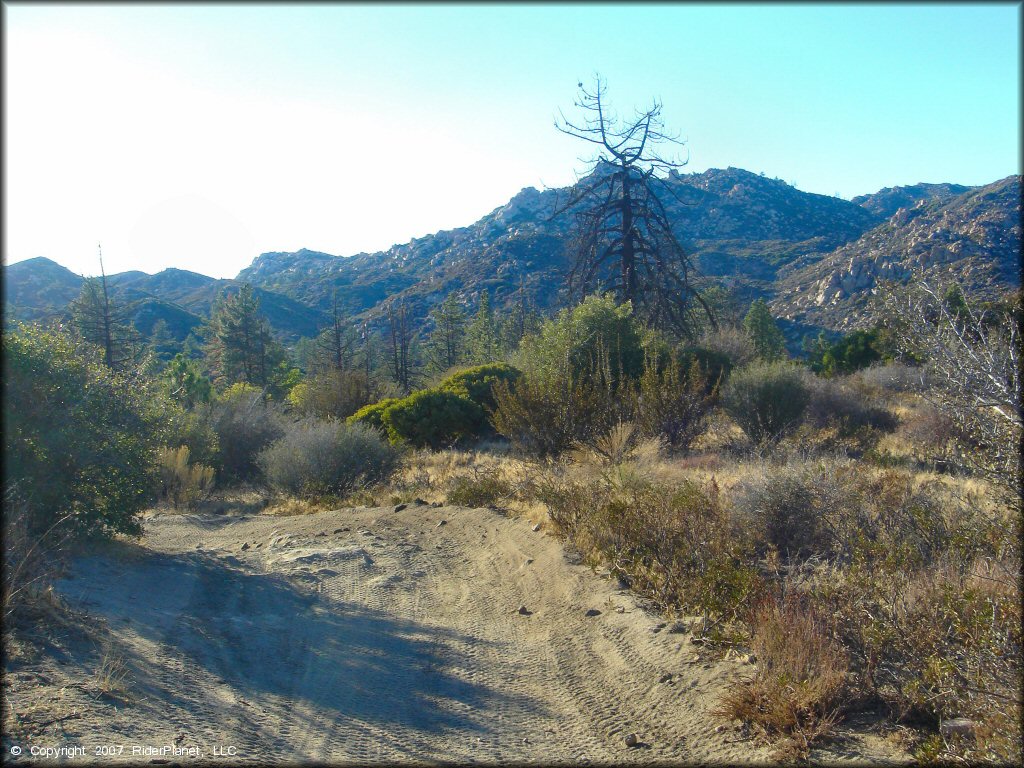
[[373, 415], [832, 403], [594, 338], [714, 366], [330, 394], [546, 416], [79, 438], [434, 419], [194, 429], [787, 509], [675, 402], [318, 458], [477, 383], [672, 543], [767, 400], [245, 424]]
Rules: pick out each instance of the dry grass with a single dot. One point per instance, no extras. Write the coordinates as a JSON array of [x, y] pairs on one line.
[[794, 695], [111, 677]]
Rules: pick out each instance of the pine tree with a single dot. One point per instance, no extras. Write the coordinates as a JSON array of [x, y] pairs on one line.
[[400, 338], [760, 326], [446, 343], [105, 322], [522, 320], [186, 382], [161, 342], [336, 344], [482, 334], [239, 347]]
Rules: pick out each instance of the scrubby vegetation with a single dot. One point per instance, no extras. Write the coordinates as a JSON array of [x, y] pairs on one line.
[[324, 458], [851, 522]]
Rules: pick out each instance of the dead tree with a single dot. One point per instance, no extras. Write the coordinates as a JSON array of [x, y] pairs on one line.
[[624, 242], [973, 358]]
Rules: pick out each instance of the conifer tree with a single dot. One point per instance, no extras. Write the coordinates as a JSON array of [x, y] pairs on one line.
[[446, 344], [106, 322], [400, 338], [239, 347], [186, 382], [760, 326], [336, 344], [482, 334]]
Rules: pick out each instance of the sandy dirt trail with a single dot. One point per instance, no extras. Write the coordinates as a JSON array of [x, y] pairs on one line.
[[380, 635]]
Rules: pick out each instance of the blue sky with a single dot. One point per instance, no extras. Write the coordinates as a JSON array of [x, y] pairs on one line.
[[200, 136]]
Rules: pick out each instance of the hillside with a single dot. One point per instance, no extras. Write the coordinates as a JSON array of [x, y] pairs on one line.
[[973, 237], [816, 258], [738, 225], [39, 289]]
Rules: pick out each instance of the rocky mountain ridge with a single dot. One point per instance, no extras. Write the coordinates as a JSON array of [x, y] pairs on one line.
[[816, 258], [972, 237]]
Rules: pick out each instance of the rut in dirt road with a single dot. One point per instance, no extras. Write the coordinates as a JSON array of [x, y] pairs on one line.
[[380, 635]]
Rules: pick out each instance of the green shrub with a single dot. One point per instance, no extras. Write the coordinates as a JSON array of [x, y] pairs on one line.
[[672, 543], [832, 403], [767, 400], [545, 416], [674, 403], [434, 419], [373, 415], [588, 340], [194, 429], [477, 383], [79, 438], [323, 458], [713, 365], [330, 394], [787, 509], [245, 424]]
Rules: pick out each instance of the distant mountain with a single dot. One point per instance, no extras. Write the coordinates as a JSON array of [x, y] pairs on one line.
[[973, 237], [816, 258], [39, 289], [737, 225], [887, 201]]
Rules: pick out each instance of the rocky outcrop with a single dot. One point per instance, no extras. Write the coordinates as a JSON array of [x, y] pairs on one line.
[[973, 238]]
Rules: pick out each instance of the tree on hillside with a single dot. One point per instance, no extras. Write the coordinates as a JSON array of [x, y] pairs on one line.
[[400, 339], [446, 345], [760, 326], [185, 382], [106, 323], [624, 241], [336, 343], [522, 320], [239, 347], [482, 334]]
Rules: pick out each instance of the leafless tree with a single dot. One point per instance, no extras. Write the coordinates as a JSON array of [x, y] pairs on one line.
[[973, 358], [624, 241]]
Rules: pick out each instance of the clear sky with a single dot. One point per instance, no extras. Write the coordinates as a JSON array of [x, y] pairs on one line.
[[198, 136]]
